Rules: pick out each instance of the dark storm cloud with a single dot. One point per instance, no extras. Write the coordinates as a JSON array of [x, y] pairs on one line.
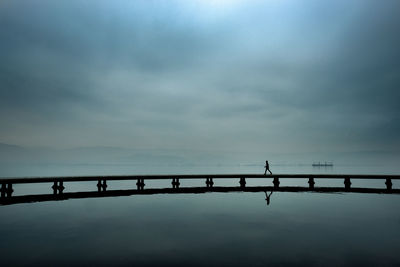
[[185, 74], [57, 53]]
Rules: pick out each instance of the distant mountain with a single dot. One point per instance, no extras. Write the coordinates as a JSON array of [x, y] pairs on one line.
[[7, 147], [12, 153]]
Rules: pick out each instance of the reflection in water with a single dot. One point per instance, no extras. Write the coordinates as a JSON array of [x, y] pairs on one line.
[[181, 227], [188, 190], [268, 197]]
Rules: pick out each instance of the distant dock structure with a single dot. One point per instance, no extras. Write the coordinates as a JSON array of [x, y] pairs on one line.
[[323, 164]]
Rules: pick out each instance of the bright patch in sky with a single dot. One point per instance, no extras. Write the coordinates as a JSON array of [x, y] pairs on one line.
[[221, 3]]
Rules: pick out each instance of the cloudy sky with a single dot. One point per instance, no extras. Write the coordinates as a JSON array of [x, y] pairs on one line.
[[227, 75]]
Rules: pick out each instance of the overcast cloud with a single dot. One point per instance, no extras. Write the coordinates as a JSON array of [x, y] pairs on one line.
[[282, 76]]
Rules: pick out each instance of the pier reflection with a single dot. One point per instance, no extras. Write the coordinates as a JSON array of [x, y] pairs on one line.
[[188, 190]]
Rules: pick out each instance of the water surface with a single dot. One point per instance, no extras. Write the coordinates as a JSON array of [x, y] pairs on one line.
[[212, 229]]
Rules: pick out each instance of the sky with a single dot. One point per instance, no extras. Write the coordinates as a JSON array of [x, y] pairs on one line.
[[203, 75]]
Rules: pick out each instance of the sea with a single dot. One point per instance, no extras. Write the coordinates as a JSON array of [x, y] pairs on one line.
[[208, 229]]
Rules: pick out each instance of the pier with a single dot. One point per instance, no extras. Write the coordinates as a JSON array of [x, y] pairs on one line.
[[57, 185]]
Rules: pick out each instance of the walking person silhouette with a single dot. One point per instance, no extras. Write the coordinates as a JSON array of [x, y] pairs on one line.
[[267, 168]]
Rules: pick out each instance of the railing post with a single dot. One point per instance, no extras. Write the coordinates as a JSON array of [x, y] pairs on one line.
[[3, 190], [276, 182], [388, 184], [61, 187], [9, 190], [140, 184], [104, 185], [54, 188], [101, 185], [175, 183], [209, 182], [311, 182], [347, 183], [58, 187], [242, 182]]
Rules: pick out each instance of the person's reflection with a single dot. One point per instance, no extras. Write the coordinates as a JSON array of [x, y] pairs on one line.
[[268, 197]]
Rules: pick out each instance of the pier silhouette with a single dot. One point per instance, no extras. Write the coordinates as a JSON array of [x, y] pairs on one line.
[[57, 185]]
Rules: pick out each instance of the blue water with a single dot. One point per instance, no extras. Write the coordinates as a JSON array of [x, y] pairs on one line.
[[212, 229]]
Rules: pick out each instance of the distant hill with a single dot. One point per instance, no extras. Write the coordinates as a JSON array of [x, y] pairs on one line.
[[7, 147]]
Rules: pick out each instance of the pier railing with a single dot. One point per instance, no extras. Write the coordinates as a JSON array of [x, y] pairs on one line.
[[58, 184]]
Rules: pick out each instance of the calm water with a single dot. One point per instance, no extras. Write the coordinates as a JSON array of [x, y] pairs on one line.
[[212, 229]]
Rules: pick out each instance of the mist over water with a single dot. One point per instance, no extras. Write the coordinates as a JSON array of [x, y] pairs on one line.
[[132, 168], [16, 161]]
